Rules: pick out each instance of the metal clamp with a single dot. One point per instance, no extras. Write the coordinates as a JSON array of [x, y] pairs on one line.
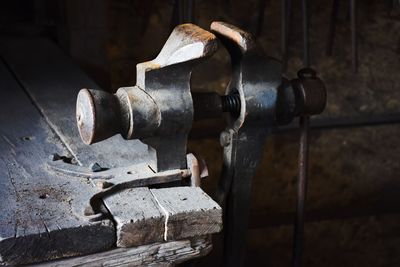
[[159, 109]]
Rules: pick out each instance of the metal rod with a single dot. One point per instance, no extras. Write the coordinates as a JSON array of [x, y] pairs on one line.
[[284, 34], [285, 24], [260, 19], [306, 56], [332, 27], [353, 19], [301, 192]]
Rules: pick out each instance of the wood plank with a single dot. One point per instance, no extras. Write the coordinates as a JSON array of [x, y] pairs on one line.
[[159, 254], [138, 218], [146, 216], [189, 212], [41, 213], [53, 81]]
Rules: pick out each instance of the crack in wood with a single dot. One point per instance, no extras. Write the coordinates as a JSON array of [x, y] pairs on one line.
[[166, 216]]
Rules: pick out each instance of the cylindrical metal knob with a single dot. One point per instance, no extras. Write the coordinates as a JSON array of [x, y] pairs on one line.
[[98, 115], [310, 93], [130, 112]]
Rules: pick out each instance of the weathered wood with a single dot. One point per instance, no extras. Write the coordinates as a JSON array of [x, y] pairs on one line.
[[138, 218], [53, 81], [40, 212], [144, 216], [159, 254], [189, 212]]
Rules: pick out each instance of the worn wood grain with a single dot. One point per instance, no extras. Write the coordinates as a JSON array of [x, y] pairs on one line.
[[158, 254], [52, 80], [138, 218], [143, 216], [40, 212], [189, 212]]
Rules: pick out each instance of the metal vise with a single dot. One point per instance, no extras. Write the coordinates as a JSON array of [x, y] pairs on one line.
[[159, 111]]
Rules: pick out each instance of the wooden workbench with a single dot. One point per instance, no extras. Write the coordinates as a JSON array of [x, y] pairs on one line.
[[43, 213]]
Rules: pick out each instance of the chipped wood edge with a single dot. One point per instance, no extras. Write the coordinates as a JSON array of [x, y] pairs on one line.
[[158, 254]]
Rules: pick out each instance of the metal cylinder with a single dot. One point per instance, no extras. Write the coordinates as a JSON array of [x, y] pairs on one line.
[[98, 115]]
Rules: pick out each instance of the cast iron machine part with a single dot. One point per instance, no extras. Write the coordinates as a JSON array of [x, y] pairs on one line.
[[159, 111]]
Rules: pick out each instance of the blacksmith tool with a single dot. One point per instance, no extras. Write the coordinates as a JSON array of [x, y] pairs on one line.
[[160, 109]]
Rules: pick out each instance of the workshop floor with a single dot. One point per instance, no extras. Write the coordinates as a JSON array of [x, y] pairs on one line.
[[353, 195]]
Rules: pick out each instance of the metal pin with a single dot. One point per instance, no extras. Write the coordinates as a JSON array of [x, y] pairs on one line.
[[260, 18], [332, 27], [306, 56], [298, 239], [285, 24]]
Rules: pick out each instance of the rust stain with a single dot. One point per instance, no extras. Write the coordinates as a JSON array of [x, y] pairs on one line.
[[195, 33], [242, 38]]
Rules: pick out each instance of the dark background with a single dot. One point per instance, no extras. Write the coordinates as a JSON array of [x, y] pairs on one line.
[[353, 204]]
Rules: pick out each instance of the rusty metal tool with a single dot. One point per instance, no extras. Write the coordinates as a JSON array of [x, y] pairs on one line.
[[257, 99], [255, 79], [158, 111]]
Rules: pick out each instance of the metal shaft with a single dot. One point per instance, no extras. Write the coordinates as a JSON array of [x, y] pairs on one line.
[[332, 27], [301, 192], [285, 24], [306, 55]]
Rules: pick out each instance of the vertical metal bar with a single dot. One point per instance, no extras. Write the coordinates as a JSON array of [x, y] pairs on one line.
[[301, 192], [285, 24], [260, 19], [353, 19], [332, 27], [306, 56]]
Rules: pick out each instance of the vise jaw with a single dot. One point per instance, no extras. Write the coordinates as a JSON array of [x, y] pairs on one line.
[[159, 109]]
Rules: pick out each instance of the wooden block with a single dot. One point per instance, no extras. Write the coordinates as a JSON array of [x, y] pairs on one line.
[[189, 212], [138, 218]]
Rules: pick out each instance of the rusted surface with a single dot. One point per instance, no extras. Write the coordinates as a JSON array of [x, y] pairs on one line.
[[242, 39], [255, 80], [97, 115]]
